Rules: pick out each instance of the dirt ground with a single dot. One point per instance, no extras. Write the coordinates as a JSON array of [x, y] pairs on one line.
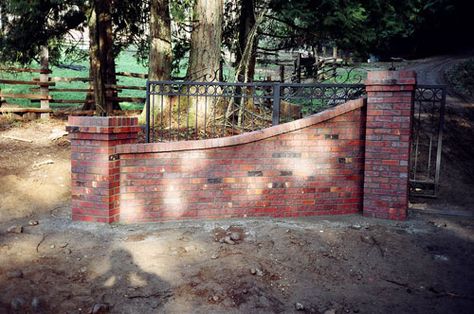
[[34, 176], [346, 264]]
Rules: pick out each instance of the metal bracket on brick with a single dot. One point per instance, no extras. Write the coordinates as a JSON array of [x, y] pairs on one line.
[[72, 129], [114, 157]]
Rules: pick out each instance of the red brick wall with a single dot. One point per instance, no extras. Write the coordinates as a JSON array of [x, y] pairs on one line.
[[347, 159], [95, 167], [389, 112], [312, 166]]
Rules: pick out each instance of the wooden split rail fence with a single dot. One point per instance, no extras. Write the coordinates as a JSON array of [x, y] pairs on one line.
[[43, 87]]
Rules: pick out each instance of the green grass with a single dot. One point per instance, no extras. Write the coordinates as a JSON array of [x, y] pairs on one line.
[[126, 62]]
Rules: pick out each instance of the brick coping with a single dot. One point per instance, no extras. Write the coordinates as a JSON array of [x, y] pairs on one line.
[[242, 138], [390, 78]]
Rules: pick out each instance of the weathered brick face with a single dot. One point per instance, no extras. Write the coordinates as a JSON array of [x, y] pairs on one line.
[[389, 112], [311, 171], [348, 159], [95, 167]]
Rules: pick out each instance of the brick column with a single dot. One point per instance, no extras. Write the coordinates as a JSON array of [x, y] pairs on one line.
[[95, 168], [390, 97]]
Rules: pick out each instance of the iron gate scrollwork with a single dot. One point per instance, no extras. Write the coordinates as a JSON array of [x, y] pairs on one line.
[[427, 140]]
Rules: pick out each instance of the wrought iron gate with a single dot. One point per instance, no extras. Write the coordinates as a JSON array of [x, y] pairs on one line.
[[427, 140]]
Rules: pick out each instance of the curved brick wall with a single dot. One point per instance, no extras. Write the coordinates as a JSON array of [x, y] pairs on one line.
[[312, 166], [348, 159]]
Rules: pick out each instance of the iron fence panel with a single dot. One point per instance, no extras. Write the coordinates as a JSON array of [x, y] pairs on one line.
[[185, 110]]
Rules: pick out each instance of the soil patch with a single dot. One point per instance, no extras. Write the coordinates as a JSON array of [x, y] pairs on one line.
[[347, 264], [34, 170]]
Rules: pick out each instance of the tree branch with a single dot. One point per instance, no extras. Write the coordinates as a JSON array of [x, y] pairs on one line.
[[276, 36], [289, 23], [277, 48]]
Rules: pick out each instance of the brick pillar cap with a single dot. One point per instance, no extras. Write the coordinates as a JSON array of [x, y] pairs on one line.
[[391, 78], [102, 121]]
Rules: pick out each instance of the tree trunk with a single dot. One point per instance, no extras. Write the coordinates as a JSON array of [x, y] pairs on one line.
[[97, 60], [108, 50], [160, 51], [102, 58], [1, 18], [90, 98], [206, 39], [205, 56], [89, 101], [245, 68], [247, 21]]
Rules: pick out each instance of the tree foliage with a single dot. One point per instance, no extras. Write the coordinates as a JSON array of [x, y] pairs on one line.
[[441, 26], [354, 25], [406, 27], [384, 27], [130, 20], [30, 24]]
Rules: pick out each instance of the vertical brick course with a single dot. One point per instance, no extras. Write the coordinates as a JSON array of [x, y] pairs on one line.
[[95, 169], [388, 127]]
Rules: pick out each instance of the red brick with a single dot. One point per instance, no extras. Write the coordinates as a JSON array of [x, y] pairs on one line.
[[237, 193], [389, 94], [92, 142]]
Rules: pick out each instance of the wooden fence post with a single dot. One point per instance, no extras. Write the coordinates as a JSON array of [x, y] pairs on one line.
[[334, 53], [298, 68], [221, 71], [44, 77]]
